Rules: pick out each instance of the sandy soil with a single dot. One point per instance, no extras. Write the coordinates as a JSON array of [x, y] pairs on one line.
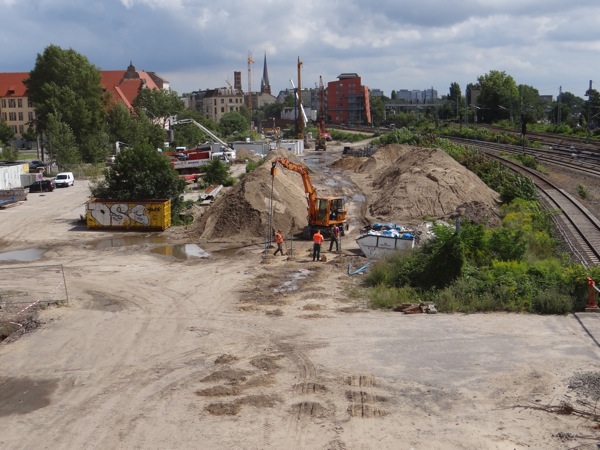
[[242, 350]]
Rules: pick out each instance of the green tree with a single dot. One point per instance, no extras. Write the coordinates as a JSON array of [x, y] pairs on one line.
[[159, 104], [65, 84], [61, 145], [592, 108], [134, 129], [497, 89], [9, 154], [217, 172], [531, 106], [30, 133], [233, 124], [140, 172], [272, 110], [377, 110], [7, 134]]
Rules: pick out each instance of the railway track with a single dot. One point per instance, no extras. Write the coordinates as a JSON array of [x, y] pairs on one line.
[[587, 164], [579, 228]]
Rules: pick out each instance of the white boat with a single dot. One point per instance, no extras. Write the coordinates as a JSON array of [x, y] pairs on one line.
[[376, 244]]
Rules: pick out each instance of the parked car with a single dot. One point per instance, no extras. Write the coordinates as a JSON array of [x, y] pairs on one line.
[[36, 164], [42, 186], [64, 179]]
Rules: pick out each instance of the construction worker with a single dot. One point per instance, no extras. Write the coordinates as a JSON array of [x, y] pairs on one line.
[[317, 241], [335, 237], [279, 242]]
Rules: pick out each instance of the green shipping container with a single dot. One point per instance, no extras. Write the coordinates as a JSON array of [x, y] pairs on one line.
[[128, 214]]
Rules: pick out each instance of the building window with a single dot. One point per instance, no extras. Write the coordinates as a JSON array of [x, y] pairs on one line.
[[4, 103], [21, 129], [20, 102], [20, 116], [222, 109], [30, 116], [12, 103], [29, 104], [12, 116], [4, 117]]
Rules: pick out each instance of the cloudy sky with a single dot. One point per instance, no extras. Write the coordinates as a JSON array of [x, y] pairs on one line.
[[391, 44]]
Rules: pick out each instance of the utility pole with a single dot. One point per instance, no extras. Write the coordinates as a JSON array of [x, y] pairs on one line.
[[300, 118], [559, 112]]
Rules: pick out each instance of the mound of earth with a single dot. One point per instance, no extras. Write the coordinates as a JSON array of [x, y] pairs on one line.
[[411, 184], [244, 154], [242, 213]]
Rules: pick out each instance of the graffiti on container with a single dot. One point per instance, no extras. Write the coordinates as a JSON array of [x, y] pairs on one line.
[[119, 214]]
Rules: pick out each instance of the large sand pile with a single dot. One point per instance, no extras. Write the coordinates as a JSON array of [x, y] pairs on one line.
[[410, 184], [401, 184], [242, 213]]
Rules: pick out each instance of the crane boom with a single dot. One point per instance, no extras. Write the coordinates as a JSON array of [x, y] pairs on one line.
[[203, 128], [303, 113]]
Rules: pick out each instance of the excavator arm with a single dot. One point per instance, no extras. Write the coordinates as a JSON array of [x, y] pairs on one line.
[[310, 190], [322, 212]]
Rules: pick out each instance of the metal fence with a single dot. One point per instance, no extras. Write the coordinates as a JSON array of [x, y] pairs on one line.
[[22, 289]]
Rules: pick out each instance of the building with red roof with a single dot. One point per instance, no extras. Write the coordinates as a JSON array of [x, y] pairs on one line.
[[122, 86]]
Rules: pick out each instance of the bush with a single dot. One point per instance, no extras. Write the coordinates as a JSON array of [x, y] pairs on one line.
[[384, 297], [552, 301]]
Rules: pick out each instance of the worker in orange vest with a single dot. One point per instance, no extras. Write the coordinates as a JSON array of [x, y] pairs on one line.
[[317, 241], [279, 242]]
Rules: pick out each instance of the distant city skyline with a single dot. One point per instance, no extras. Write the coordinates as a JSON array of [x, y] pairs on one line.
[[198, 44]]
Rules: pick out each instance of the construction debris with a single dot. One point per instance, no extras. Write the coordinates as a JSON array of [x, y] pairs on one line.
[[416, 308]]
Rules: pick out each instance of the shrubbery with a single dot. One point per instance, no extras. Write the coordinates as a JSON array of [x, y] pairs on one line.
[[515, 267]]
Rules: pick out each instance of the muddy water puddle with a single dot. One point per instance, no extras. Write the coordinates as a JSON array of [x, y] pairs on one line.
[[181, 251], [25, 255], [292, 285], [159, 243], [126, 241]]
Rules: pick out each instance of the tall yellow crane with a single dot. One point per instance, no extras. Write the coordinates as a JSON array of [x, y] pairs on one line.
[[250, 62]]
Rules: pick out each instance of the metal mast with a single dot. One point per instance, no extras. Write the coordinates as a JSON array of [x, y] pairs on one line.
[[250, 61]]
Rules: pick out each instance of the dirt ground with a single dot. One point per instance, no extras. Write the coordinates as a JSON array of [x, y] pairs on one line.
[[243, 350]]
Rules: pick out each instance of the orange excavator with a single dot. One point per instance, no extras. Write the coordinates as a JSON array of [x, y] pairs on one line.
[[323, 212]]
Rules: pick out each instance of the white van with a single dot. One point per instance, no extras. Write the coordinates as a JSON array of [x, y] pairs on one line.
[[64, 179]]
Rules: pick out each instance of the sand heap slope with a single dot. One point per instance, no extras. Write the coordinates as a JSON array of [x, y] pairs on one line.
[[411, 184], [242, 213]]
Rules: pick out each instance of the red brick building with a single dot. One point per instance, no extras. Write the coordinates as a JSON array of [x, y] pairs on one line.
[[348, 100]]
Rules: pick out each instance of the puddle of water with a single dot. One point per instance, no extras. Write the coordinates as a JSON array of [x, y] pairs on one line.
[[358, 198], [292, 285], [26, 255], [181, 251], [127, 241]]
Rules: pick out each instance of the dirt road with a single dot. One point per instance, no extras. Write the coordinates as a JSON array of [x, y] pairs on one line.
[[243, 351]]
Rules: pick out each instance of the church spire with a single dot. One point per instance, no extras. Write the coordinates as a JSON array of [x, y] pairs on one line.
[[265, 85]]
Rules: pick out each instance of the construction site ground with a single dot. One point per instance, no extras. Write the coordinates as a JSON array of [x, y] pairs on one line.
[[243, 350]]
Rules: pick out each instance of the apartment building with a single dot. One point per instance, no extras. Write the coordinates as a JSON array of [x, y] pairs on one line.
[[348, 100], [15, 108], [215, 103]]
